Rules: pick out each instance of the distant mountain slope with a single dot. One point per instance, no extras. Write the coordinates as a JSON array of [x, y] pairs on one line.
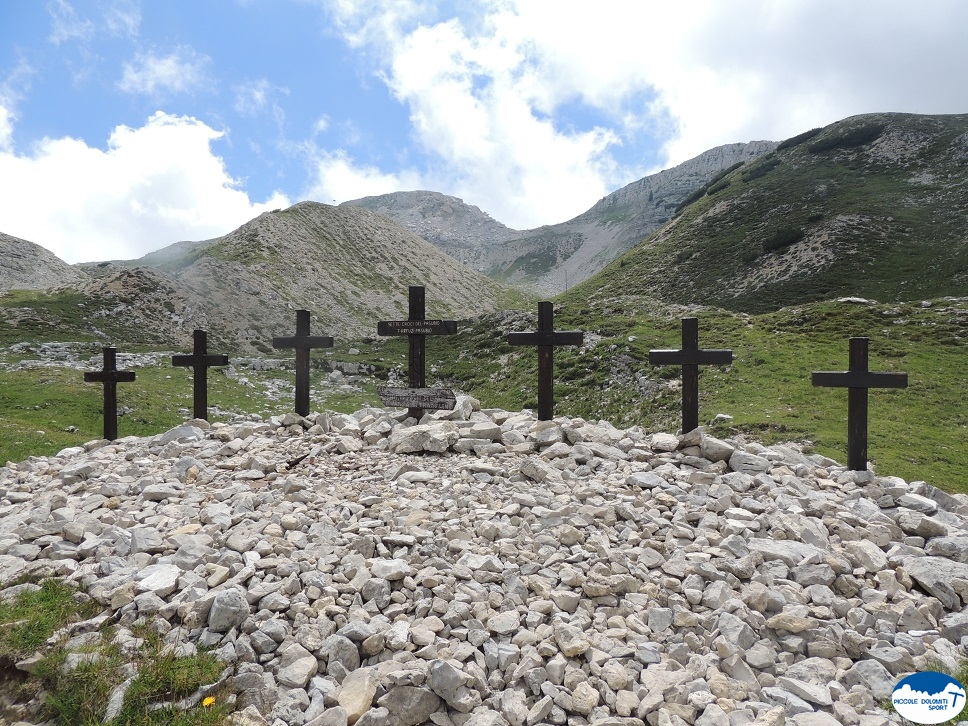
[[350, 267], [874, 206], [28, 266], [543, 259]]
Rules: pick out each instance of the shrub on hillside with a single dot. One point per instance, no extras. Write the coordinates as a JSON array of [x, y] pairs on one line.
[[783, 237], [717, 187], [720, 174], [848, 138], [798, 139], [696, 195], [760, 169], [707, 188]]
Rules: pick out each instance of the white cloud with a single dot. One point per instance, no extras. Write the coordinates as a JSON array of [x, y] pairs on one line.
[[256, 97], [337, 178], [65, 23], [12, 90], [486, 91], [181, 71], [123, 18], [478, 102], [6, 128], [153, 186]]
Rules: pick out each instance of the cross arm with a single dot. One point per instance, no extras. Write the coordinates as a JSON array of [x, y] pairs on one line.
[[859, 379], [103, 376], [189, 359]]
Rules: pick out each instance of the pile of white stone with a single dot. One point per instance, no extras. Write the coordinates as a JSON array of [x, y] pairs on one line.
[[483, 569]]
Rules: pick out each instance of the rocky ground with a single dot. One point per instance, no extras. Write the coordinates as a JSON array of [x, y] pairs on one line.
[[485, 569]]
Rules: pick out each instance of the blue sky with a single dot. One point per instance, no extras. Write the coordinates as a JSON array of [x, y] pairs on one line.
[[127, 125]]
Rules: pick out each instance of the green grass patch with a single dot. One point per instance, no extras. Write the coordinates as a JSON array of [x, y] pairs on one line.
[[77, 693], [27, 621]]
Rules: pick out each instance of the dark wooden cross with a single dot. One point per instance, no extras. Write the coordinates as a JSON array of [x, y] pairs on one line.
[[303, 343], [690, 357], [110, 376], [858, 379], [200, 361], [416, 327], [546, 338]]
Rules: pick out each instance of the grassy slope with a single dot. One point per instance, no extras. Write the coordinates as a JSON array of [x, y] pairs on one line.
[[920, 433], [895, 239], [37, 407]]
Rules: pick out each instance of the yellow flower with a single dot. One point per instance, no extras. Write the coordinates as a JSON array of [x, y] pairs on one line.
[[208, 701]]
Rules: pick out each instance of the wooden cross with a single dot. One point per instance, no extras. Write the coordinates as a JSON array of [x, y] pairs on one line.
[[546, 338], [303, 343], [416, 327], [110, 376], [200, 361], [690, 357], [858, 379]]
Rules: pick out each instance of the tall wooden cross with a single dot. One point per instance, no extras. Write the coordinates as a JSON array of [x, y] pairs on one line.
[[690, 357], [546, 338], [858, 380], [110, 376], [303, 343], [416, 327], [200, 361]]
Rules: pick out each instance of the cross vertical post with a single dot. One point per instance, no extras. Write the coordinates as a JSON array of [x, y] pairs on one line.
[[110, 376], [200, 361], [303, 343], [690, 357], [545, 338], [416, 327], [858, 361], [858, 380], [417, 344]]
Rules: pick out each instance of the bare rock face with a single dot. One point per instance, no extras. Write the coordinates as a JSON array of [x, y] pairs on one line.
[[28, 266]]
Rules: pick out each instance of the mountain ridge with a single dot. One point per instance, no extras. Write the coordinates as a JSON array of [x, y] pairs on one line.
[[544, 258], [872, 206]]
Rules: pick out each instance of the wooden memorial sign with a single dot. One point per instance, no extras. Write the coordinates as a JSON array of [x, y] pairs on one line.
[[416, 328], [858, 380], [690, 357], [303, 343], [200, 361], [110, 376], [423, 398], [545, 338]]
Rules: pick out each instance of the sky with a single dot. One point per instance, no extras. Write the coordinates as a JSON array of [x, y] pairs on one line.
[[129, 125]]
